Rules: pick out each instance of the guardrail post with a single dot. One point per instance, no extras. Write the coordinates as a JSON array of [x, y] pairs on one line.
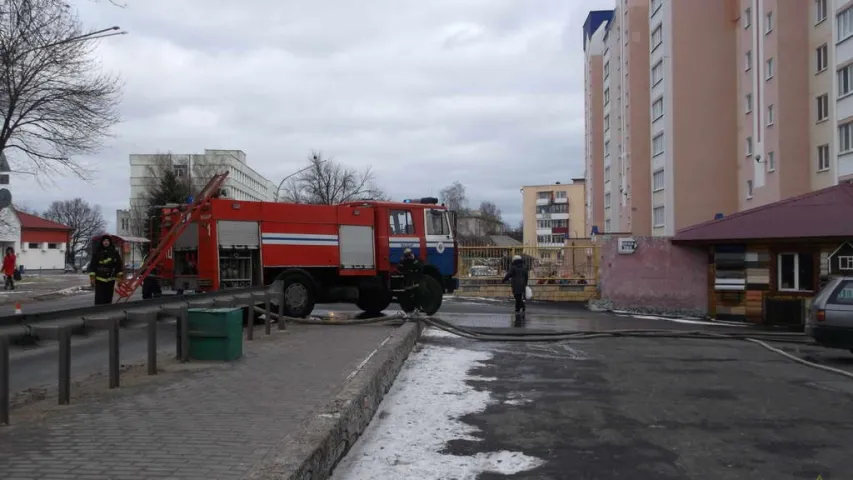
[[4, 380], [152, 345], [184, 341], [114, 354], [250, 322], [267, 312], [64, 365], [282, 325]]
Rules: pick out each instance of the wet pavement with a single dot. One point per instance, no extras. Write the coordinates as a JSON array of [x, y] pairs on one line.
[[613, 408]]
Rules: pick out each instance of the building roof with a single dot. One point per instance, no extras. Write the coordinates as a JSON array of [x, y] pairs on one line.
[[821, 214], [504, 241], [37, 223]]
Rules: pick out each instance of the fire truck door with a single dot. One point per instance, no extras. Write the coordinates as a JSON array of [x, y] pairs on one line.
[[439, 240]]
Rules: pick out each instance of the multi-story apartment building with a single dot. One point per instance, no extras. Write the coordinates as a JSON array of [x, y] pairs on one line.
[[553, 213], [674, 164], [840, 151], [593, 44]]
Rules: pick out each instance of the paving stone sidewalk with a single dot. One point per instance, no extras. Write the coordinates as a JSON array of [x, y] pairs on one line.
[[213, 423]]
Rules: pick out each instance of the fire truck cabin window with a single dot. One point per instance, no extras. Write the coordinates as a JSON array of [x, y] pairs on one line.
[[436, 224], [401, 222]]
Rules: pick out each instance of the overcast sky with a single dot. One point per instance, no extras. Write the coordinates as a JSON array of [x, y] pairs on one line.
[[487, 92]]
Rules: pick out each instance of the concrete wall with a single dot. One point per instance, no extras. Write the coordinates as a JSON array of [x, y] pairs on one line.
[[657, 278]]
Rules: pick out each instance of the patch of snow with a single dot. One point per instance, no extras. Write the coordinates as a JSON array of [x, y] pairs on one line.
[[477, 299], [420, 414]]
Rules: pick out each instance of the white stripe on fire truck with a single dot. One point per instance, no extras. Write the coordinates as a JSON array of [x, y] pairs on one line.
[[299, 239]]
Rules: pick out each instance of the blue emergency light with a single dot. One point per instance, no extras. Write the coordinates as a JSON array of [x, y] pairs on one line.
[[425, 200]]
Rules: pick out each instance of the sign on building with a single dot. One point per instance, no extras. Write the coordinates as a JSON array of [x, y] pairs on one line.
[[626, 246]]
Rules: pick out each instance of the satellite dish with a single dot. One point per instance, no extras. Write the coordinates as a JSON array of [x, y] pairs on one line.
[[5, 198]]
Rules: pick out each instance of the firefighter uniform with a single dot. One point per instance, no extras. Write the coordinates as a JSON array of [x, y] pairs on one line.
[[105, 267], [411, 269]]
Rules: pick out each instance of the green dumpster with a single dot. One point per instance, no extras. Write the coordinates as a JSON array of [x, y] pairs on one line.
[[215, 334]]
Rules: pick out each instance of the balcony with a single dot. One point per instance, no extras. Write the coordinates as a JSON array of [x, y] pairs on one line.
[[543, 201], [543, 231], [557, 230], [561, 200], [559, 216]]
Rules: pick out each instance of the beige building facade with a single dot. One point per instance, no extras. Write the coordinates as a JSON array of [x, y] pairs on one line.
[[552, 214]]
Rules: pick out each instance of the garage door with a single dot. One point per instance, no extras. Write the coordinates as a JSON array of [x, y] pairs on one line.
[[238, 234]]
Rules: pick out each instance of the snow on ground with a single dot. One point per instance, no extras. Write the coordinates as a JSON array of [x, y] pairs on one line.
[[690, 321], [420, 414]]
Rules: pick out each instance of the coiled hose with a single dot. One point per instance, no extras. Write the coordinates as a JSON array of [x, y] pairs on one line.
[[757, 338]]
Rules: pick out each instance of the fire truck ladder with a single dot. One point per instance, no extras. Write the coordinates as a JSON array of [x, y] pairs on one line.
[[125, 288]]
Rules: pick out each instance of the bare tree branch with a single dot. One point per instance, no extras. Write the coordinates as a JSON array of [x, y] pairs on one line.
[[491, 217], [85, 220], [327, 182], [54, 102], [455, 197]]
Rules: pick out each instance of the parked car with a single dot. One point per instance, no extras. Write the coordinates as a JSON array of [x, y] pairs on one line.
[[830, 318]]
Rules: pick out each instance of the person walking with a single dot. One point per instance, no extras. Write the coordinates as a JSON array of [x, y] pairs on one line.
[[519, 275], [9, 266], [104, 268]]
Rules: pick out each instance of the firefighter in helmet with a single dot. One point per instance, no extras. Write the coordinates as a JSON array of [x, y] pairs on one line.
[[105, 267], [411, 268]]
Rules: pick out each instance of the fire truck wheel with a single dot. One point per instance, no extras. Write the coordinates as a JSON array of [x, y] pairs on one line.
[[373, 300], [299, 297], [431, 295]]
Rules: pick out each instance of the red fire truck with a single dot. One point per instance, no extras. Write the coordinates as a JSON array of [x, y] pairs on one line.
[[320, 253]]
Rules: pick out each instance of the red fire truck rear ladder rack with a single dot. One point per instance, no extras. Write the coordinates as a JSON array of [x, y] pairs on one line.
[[125, 288]]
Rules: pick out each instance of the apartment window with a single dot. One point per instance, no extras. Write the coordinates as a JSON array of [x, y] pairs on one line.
[[845, 81], [822, 107], [845, 138], [657, 109], [748, 101], [657, 72], [823, 157], [562, 194], [747, 18], [844, 22], [771, 161], [769, 69], [658, 217], [748, 60], [607, 173], [657, 37], [657, 181], [748, 189], [606, 96], [607, 200], [607, 226], [607, 148], [795, 272], [657, 145], [606, 122], [822, 58], [32, 245], [768, 23], [819, 11], [606, 69], [748, 146], [771, 117], [180, 170]]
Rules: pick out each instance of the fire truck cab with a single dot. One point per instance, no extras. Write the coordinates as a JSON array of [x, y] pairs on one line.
[[320, 253]]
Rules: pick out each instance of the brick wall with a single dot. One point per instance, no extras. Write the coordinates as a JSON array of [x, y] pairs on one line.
[[657, 278], [548, 293]]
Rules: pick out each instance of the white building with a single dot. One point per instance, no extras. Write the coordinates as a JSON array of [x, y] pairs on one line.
[[243, 182], [39, 244]]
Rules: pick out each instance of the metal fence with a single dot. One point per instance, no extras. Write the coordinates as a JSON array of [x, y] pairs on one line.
[[574, 263]]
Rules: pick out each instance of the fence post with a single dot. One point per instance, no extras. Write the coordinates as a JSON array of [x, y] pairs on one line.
[[267, 312], [114, 354], [4, 380], [152, 345], [65, 365], [250, 322], [282, 325], [184, 320]]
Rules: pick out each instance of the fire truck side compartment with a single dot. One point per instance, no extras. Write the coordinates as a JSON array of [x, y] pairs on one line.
[[356, 247], [188, 239]]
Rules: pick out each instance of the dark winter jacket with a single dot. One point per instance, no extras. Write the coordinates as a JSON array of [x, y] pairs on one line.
[[519, 275], [106, 263]]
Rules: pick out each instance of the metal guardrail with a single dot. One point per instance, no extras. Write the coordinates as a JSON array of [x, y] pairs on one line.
[[61, 325]]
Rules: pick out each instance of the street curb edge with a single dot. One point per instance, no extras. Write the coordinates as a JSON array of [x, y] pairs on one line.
[[313, 452]]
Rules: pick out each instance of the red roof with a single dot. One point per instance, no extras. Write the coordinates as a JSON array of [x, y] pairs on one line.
[[37, 223], [824, 213]]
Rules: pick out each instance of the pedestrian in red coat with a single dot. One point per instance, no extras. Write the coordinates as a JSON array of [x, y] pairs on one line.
[[9, 265]]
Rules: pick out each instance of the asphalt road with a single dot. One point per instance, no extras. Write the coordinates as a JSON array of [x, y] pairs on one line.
[[620, 408]]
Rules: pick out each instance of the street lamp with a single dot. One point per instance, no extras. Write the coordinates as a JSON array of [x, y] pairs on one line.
[[96, 35], [281, 183]]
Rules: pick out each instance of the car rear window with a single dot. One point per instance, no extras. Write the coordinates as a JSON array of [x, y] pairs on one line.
[[843, 293]]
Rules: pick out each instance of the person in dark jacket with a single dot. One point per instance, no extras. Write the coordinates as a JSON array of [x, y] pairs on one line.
[[410, 267], [105, 267], [518, 275]]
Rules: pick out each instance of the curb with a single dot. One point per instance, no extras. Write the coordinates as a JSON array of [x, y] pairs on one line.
[[313, 451]]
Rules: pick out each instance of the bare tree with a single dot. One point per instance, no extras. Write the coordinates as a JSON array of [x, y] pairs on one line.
[[454, 197], [85, 221], [54, 101], [490, 215], [326, 182]]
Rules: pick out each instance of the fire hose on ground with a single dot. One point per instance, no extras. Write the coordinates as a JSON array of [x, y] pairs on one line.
[[758, 338]]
